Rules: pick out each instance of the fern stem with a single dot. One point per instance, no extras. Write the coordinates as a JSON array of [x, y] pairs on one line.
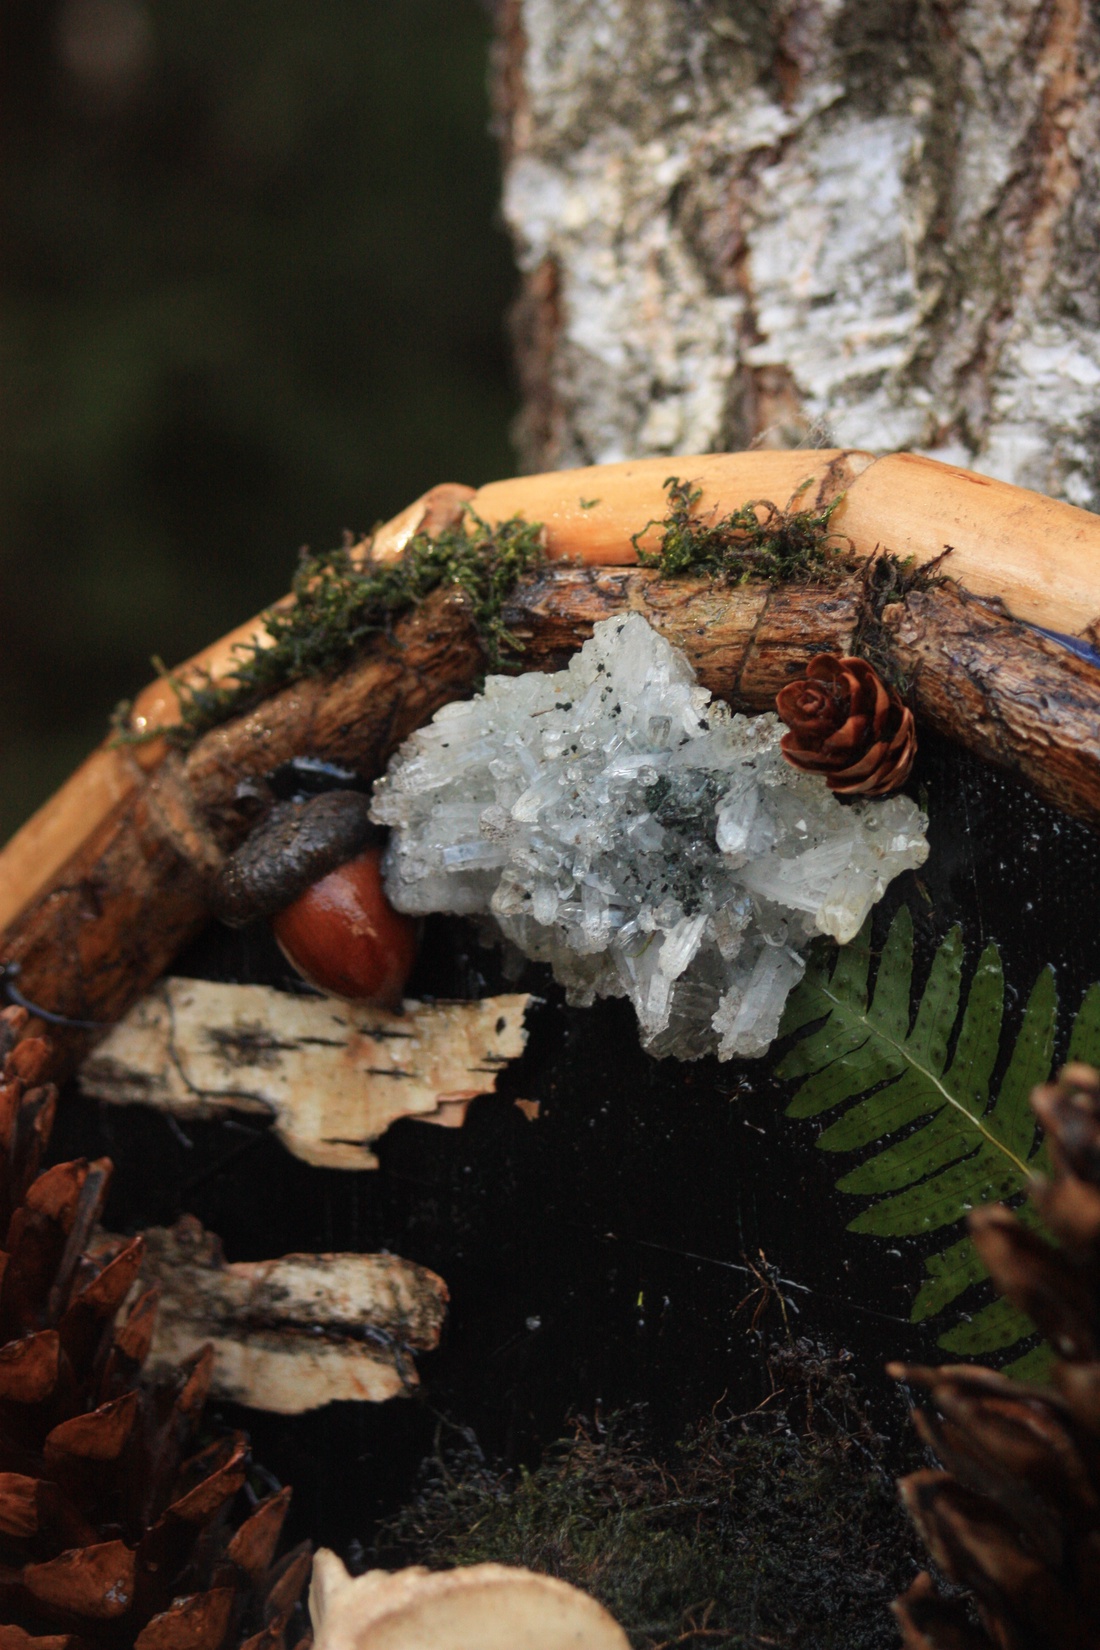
[[925, 1071]]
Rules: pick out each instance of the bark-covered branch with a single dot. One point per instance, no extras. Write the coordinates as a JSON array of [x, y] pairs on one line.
[[995, 686]]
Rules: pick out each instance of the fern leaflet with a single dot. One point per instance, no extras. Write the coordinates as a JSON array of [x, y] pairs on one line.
[[942, 1145]]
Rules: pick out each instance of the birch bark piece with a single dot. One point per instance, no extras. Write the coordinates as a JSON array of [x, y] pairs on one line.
[[293, 1334], [333, 1075], [490, 1606]]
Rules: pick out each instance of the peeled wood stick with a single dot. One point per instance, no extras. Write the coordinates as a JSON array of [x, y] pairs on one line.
[[1037, 555]]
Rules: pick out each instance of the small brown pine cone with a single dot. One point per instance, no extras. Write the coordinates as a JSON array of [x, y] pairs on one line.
[[847, 725]]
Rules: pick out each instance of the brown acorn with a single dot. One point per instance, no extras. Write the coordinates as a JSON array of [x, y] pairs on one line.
[[116, 1528], [345, 937], [847, 725], [1012, 1512]]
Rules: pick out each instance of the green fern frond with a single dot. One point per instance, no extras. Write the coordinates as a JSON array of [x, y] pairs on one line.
[[942, 1144]]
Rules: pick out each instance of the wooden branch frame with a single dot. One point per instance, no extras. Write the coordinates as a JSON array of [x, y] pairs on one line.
[[101, 888]]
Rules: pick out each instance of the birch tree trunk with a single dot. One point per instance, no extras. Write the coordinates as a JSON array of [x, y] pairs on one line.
[[866, 223]]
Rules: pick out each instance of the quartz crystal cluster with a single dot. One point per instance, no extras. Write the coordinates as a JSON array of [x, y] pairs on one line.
[[618, 823]]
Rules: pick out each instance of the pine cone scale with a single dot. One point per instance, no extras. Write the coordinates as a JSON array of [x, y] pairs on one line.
[[928, 1622], [100, 1435], [1078, 1385], [1071, 1210], [288, 1578], [976, 1544], [18, 1504], [984, 1475], [1038, 1280], [253, 1547], [14, 1638], [96, 1583], [29, 1367], [199, 1622], [200, 1504], [1016, 1435], [116, 1533]]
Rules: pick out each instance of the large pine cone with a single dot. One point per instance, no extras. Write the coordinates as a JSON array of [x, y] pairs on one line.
[[114, 1530], [846, 724], [1014, 1512]]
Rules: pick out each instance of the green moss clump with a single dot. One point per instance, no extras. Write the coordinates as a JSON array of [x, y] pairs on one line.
[[776, 544], [340, 603], [780, 1528]]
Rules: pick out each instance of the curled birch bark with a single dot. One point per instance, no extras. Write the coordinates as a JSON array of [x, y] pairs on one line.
[[492, 1606], [290, 1335], [100, 890], [333, 1075]]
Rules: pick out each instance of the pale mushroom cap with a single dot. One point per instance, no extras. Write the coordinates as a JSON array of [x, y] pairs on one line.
[[482, 1607]]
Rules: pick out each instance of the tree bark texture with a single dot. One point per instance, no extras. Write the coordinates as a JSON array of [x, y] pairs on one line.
[[868, 223]]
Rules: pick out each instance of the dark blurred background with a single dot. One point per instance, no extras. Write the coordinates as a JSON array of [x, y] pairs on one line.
[[253, 293]]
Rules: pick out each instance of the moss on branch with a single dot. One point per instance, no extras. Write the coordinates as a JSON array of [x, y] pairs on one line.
[[757, 541], [341, 602]]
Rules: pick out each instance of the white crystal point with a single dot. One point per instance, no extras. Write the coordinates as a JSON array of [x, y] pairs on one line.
[[749, 1014], [616, 822]]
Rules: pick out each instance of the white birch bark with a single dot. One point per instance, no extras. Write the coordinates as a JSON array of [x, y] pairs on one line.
[[333, 1075], [864, 223]]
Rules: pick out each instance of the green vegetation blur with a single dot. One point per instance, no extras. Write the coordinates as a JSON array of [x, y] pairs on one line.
[[253, 295]]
